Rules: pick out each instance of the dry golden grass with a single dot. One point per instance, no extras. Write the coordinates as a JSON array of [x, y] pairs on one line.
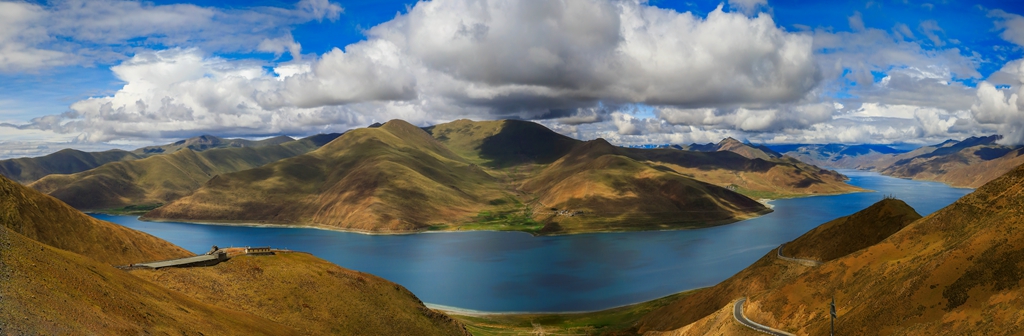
[[957, 271], [395, 178], [66, 161], [615, 192], [309, 294], [496, 175], [46, 291], [845, 235], [160, 179], [49, 221], [840, 236]]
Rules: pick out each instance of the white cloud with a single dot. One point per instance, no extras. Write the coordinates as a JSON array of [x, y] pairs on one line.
[[84, 32], [748, 6], [573, 60], [1003, 108], [1012, 26], [751, 120], [930, 28], [856, 21]]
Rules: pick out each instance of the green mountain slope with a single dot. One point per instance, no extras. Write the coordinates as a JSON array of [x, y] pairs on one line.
[[163, 178], [67, 161], [392, 178], [598, 185]]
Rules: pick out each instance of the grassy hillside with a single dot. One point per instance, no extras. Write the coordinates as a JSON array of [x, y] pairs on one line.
[[308, 294], [51, 222], [67, 161], [614, 321], [611, 191], [204, 142], [497, 175], [393, 178], [756, 178], [70, 161], [845, 235], [970, 163], [71, 287], [503, 143], [161, 179], [49, 291], [770, 272], [957, 271]]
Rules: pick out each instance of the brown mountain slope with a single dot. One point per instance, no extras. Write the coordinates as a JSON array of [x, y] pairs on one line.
[[502, 143], [614, 192], [956, 271], [49, 221], [771, 272], [317, 298], [845, 235], [204, 142], [163, 178], [757, 178], [67, 161], [44, 290], [392, 178], [970, 163]]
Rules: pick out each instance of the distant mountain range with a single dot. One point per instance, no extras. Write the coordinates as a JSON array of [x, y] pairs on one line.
[[162, 178], [968, 163], [890, 272], [70, 161]]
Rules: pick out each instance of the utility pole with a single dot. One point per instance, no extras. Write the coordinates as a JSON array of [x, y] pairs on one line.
[[832, 309]]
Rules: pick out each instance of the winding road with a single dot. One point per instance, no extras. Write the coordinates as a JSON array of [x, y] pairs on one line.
[[737, 310], [737, 313], [806, 262]]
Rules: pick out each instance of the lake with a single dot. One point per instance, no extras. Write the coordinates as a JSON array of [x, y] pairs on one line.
[[516, 272]]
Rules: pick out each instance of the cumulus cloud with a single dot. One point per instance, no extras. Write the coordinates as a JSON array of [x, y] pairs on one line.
[[575, 61], [751, 120], [84, 32], [1003, 108]]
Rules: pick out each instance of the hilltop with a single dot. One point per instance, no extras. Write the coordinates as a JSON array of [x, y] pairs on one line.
[[308, 294], [51, 222], [850, 233], [71, 287], [957, 271], [160, 179], [616, 192], [66, 161], [732, 145]]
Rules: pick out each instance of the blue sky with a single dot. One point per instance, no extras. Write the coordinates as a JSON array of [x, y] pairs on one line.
[[104, 74]]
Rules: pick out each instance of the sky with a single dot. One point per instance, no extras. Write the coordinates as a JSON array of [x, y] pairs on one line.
[[101, 74]]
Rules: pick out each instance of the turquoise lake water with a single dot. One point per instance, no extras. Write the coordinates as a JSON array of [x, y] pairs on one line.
[[516, 272]]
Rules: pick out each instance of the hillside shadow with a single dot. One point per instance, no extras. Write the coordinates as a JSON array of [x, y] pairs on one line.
[[521, 142]]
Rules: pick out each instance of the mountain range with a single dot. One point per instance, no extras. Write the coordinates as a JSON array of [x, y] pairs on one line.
[[969, 163], [497, 175]]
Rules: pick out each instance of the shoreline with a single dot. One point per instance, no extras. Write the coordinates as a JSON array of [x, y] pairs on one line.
[[478, 313], [768, 210]]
